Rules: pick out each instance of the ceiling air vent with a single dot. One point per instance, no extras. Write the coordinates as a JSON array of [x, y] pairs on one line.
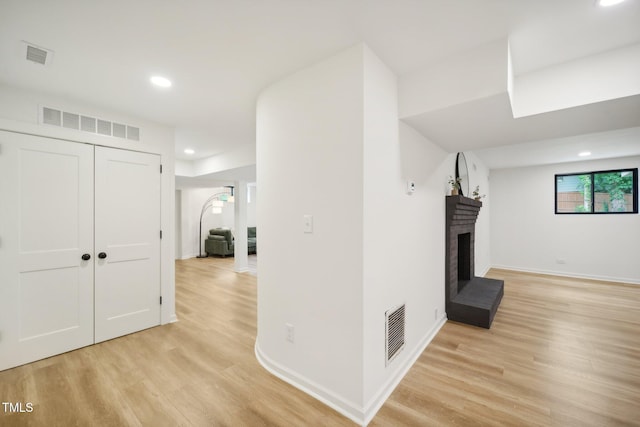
[[37, 54], [394, 332]]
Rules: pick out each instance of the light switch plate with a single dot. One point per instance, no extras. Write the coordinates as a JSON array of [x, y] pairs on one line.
[[307, 223]]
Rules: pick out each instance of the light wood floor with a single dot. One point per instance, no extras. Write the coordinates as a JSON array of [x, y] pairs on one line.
[[561, 352]]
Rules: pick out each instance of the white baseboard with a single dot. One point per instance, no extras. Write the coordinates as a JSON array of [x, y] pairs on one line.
[[569, 274], [360, 415], [343, 406], [484, 273], [373, 406]]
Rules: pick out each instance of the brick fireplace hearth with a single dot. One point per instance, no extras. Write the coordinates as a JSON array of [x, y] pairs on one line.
[[468, 299]]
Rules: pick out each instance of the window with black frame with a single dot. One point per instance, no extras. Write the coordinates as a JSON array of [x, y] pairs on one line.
[[600, 192]]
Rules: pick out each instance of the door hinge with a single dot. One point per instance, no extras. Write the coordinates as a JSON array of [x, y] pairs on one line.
[[160, 168], [160, 300], [160, 234]]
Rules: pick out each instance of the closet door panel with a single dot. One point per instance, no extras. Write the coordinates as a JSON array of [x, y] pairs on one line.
[[127, 232], [46, 217]]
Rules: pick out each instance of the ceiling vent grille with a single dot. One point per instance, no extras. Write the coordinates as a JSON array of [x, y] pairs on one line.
[[394, 332], [56, 117], [36, 54]]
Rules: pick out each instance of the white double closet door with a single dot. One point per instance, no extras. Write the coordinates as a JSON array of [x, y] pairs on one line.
[[79, 245]]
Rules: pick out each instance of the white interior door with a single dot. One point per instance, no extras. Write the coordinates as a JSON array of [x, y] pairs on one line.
[[127, 242], [46, 226]]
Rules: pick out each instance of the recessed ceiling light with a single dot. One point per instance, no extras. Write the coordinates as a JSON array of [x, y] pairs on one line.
[[161, 81], [189, 151], [605, 3], [584, 153]]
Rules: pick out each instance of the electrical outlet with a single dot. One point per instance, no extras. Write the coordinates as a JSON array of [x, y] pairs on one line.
[[436, 313], [561, 261], [290, 332]]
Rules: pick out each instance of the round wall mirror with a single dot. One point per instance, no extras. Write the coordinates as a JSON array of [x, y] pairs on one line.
[[463, 173]]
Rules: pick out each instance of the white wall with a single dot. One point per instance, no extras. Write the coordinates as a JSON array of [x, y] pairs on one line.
[[330, 134], [252, 205], [309, 142], [192, 200], [403, 233], [527, 235], [479, 174], [19, 111], [178, 222]]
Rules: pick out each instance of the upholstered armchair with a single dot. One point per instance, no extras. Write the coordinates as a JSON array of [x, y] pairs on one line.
[[219, 242]]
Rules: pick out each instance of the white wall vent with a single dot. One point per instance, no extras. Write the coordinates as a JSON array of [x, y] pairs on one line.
[[88, 124], [133, 133], [119, 130], [56, 117], [70, 120], [394, 332], [37, 54], [104, 127], [51, 116]]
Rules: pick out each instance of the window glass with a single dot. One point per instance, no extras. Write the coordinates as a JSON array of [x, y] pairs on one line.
[[573, 193], [613, 191], [599, 192]]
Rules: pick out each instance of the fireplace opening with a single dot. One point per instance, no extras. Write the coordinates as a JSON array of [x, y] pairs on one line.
[[464, 259]]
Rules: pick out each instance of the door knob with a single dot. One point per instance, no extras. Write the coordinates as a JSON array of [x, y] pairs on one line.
[[86, 257], [102, 255]]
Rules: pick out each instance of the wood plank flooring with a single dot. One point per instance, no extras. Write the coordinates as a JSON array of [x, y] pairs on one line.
[[562, 352]]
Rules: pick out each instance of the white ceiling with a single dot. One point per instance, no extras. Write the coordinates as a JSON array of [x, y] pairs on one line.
[[220, 54], [488, 122]]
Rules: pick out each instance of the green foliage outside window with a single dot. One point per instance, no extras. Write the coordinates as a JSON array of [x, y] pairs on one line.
[[598, 192], [616, 185]]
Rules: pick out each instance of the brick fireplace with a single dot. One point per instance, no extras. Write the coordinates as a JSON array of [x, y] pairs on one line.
[[468, 299]]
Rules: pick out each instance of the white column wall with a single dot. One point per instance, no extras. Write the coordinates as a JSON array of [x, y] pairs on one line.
[[241, 260], [330, 136], [309, 162], [403, 234]]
